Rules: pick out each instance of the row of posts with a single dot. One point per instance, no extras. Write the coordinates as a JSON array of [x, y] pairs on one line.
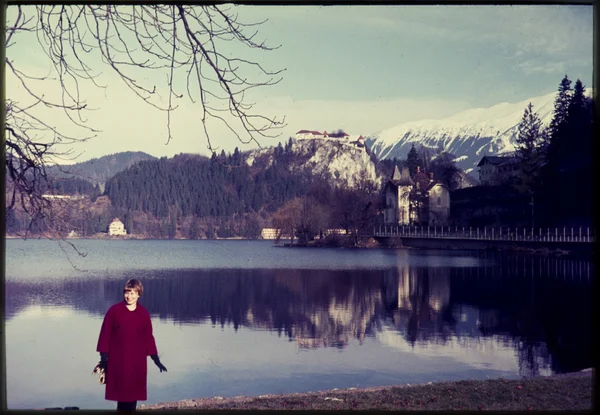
[[489, 233]]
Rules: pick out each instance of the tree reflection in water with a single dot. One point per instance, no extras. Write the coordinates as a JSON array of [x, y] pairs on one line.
[[540, 306]]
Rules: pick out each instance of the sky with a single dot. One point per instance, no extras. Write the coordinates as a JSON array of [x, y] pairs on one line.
[[361, 69]]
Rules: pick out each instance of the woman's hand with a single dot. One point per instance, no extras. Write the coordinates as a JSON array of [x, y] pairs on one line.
[[158, 363]]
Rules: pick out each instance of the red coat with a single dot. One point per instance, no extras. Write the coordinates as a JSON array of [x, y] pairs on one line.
[[127, 338]]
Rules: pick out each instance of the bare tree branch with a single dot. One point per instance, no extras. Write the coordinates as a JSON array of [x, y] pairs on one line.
[[133, 41]]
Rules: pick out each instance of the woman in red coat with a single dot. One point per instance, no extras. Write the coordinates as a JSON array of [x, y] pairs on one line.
[[125, 341]]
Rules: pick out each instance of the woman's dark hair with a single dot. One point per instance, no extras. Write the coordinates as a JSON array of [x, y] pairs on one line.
[[134, 284]]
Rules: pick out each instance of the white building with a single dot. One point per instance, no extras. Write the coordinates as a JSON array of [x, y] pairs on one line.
[[116, 228], [307, 134], [494, 170]]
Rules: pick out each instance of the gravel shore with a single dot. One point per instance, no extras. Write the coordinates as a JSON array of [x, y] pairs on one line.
[[571, 391]]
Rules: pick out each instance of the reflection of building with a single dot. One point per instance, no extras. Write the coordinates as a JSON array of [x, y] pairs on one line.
[[423, 294]]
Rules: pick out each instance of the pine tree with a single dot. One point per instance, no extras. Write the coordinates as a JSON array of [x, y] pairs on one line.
[[412, 160], [530, 153], [558, 137]]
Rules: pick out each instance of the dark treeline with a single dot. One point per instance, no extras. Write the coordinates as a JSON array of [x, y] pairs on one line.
[[206, 187], [553, 185], [566, 188]]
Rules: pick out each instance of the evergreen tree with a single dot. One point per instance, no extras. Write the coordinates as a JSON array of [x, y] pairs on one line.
[[578, 129], [530, 153], [558, 137], [129, 223], [412, 160]]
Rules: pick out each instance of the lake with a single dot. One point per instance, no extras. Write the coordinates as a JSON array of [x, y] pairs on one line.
[[250, 318]]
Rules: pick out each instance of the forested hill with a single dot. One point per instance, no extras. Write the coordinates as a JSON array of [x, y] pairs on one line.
[[98, 170], [259, 181], [196, 185]]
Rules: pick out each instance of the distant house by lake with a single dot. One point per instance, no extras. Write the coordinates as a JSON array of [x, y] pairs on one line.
[[116, 228]]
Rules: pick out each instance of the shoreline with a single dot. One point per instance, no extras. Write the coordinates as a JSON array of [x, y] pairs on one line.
[[347, 243], [567, 391]]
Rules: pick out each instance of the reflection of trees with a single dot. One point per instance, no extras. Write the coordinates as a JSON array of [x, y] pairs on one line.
[[537, 303], [506, 302], [315, 307]]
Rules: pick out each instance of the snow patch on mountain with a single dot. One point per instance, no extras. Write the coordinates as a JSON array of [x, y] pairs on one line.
[[469, 135]]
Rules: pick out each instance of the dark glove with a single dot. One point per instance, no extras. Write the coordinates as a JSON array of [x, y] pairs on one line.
[[101, 367], [157, 362]]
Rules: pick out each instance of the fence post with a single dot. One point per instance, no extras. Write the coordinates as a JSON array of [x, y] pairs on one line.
[[588, 232], [564, 234], [485, 232], [469, 232], [492, 233], [571, 234], [580, 234]]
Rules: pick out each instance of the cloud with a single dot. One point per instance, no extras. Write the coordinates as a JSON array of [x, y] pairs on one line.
[[533, 66]]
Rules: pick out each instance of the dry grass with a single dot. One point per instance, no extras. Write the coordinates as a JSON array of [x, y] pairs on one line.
[[563, 392]]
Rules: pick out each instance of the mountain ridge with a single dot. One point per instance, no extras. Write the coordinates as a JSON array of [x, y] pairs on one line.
[[469, 134]]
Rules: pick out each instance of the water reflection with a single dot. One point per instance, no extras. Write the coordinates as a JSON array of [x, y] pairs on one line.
[[536, 306]]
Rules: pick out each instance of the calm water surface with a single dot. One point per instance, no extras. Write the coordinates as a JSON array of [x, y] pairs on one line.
[[249, 318]]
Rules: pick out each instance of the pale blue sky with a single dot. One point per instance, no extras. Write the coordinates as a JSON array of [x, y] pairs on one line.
[[367, 68]]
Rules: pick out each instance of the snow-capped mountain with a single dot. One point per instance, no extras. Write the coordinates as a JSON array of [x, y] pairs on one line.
[[469, 135]]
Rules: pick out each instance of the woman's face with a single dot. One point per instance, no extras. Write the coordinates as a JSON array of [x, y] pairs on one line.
[[131, 296]]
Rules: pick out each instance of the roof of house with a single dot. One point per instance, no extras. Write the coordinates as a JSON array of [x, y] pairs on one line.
[[497, 160], [401, 178]]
